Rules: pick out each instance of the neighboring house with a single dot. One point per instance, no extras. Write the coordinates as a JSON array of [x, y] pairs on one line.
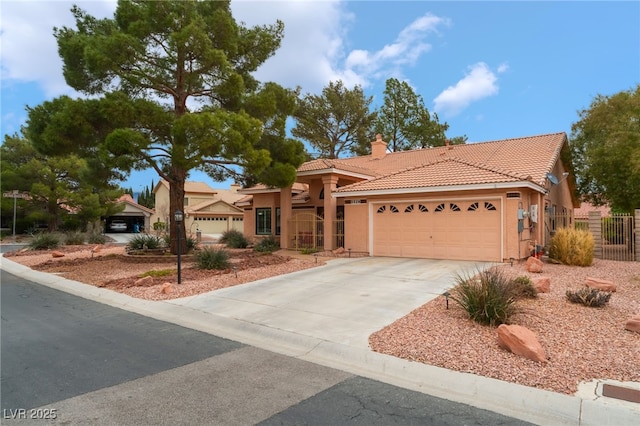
[[208, 210], [135, 217], [585, 207], [488, 201]]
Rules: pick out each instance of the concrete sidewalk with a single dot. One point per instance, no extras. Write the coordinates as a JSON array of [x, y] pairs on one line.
[[325, 315]]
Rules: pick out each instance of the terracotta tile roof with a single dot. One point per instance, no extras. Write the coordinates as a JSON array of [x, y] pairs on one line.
[[346, 164], [585, 208], [509, 160], [446, 172], [295, 188]]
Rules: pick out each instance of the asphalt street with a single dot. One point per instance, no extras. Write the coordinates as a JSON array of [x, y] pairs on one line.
[[76, 361]]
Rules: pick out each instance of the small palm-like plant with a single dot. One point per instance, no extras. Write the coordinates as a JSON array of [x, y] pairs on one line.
[[145, 241], [44, 241]]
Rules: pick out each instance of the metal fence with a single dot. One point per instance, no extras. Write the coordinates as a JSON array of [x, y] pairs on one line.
[[306, 232], [614, 234]]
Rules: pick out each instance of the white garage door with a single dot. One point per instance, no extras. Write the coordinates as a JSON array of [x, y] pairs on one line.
[[459, 230]]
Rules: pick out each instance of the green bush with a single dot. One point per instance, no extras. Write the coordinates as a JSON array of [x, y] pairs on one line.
[[589, 297], [309, 250], [488, 297], [74, 238], [523, 287], [233, 239], [573, 247], [44, 241], [96, 238], [145, 241], [267, 245], [212, 258]]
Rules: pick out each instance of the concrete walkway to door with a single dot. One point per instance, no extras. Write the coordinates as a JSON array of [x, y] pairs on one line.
[[343, 302]]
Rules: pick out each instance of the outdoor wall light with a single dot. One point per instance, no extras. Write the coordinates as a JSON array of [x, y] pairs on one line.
[[446, 295], [178, 217]]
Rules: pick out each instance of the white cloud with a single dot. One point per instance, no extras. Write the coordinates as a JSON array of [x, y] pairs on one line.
[[29, 49], [480, 82], [313, 52]]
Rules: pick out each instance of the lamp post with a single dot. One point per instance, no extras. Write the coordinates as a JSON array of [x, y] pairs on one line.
[[177, 216]]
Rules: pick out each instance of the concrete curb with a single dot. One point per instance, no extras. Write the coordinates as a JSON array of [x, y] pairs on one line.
[[525, 403]]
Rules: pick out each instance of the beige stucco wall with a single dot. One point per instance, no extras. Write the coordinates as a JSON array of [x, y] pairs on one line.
[[356, 225]]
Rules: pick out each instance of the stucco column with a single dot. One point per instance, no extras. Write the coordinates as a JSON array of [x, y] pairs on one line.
[[285, 215], [330, 203], [595, 227]]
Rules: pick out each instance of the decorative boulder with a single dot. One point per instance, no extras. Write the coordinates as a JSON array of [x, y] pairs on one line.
[[96, 249], [633, 324], [533, 265], [542, 284], [166, 288], [602, 285], [144, 281], [57, 254], [338, 251], [521, 341]]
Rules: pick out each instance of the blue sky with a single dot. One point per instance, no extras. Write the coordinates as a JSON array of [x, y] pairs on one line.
[[492, 70]]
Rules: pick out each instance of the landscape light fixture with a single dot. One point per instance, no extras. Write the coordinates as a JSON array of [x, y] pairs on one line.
[[177, 216], [446, 295]]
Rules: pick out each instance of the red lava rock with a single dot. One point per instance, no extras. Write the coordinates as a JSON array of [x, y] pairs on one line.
[[542, 284], [602, 285], [534, 265], [521, 341], [633, 324], [57, 254], [96, 249], [166, 288]]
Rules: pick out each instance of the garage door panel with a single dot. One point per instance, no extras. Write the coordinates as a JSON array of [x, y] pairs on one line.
[[461, 230]]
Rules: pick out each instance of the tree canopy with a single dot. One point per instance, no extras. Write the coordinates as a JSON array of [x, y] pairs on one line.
[[605, 148], [405, 123], [335, 122], [172, 89]]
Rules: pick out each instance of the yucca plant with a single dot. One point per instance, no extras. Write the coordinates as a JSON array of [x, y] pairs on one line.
[[212, 258], [488, 297], [572, 247], [145, 241]]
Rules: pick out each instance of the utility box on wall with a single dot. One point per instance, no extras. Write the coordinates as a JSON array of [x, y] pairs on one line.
[[533, 213]]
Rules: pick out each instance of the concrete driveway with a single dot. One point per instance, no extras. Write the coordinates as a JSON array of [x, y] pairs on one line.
[[341, 302]]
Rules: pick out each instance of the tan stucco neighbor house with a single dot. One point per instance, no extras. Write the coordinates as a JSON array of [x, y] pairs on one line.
[[208, 210], [488, 201]]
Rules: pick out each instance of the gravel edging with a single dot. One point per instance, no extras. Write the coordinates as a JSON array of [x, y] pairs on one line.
[[582, 343]]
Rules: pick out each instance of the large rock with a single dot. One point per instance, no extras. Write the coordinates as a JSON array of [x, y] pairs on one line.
[[144, 281], [602, 285], [542, 284], [633, 324], [166, 288], [521, 341], [57, 254], [533, 265]]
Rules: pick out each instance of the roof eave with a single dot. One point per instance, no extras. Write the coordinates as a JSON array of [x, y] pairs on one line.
[[333, 170], [456, 188]]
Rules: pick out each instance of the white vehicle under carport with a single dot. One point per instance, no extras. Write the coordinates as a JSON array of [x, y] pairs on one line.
[[118, 226]]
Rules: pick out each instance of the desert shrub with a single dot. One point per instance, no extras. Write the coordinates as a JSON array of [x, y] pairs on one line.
[[191, 243], [523, 287], [74, 238], [488, 297], [267, 245], [589, 297], [212, 258], [145, 241], [233, 239], [572, 247], [44, 241], [96, 238]]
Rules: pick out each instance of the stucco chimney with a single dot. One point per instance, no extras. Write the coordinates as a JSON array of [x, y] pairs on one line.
[[234, 187], [378, 147]]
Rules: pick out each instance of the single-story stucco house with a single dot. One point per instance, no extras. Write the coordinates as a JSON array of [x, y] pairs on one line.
[[208, 210], [488, 201]]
